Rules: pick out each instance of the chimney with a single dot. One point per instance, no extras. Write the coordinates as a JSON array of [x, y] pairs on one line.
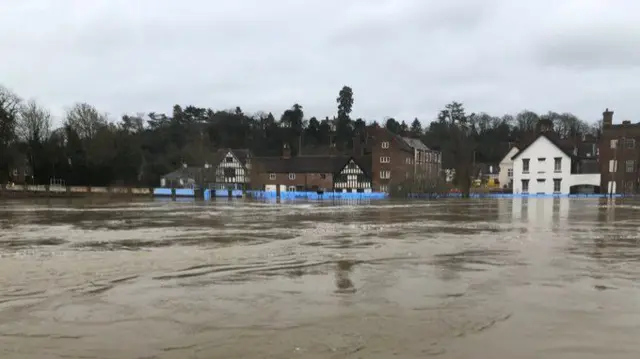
[[286, 151], [607, 118]]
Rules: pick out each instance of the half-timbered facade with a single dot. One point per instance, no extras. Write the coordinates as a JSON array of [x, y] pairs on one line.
[[352, 178], [232, 169]]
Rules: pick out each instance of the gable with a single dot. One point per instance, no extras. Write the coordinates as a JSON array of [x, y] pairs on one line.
[[351, 168], [541, 147], [510, 153]]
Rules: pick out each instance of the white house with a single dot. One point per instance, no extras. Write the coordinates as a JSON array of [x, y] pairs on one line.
[[544, 167], [505, 176]]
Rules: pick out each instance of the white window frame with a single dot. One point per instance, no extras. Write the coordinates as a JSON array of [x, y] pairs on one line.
[[272, 176], [528, 166], [510, 172], [613, 166], [385, 159], [613, 143], [292, 189], [292, 176], [559, 182], [385, 174], [385, 144], [557, 161], [384, 188]]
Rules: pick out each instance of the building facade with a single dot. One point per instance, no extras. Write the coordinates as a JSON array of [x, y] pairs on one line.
[[398, 161], [619, 155], [549, 166], [232, 170], [309, 173], [505, 173]]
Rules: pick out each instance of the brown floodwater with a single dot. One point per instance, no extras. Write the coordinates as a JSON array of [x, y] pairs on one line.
[[502, 278]]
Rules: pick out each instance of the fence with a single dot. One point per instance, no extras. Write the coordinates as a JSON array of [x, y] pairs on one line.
[[60, 190]]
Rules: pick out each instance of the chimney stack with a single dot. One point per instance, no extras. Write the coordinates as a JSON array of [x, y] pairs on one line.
[[286, 151], [607, 118]]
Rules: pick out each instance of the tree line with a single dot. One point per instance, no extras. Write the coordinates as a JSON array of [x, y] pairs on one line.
[[89, 148]]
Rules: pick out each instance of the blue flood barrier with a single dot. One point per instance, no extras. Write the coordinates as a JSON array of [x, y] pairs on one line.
[[185, 192], [207, 194], [512, 195], [318, 196], [162, 192]]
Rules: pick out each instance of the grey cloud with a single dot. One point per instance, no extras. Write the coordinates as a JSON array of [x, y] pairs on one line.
[[403, 58]]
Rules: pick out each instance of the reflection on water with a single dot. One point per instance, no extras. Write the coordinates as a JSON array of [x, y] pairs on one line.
[[521, 278]]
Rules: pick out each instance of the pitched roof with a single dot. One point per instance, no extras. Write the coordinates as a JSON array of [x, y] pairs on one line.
[[506, 155], [185, 172], [415, 143], [241, 155], [303, 164], [559, 143]]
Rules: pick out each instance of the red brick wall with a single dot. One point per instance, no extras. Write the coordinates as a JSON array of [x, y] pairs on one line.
[[307, 180], [398, 166], [621, 154]]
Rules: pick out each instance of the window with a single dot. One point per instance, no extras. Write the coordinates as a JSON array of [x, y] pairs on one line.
[[292, 188], [15, 173], [229, 159], [557, 185], [323, 176], [385, 174], [541, 159], [614, 143], [631, 143], [408, 160], [510, 172], [272, 176], [384, 188], [525, 165], [630, 166], [385, 159], [385, 144], [525, 186], [292, 176], [613, 166], [229, 172], [557, 164]]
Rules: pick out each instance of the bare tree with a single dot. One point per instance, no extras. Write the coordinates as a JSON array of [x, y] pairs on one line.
[[33, 123], [85, 120], [9, 101]]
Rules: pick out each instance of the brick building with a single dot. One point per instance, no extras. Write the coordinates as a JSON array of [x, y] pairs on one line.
[[397, 161], [619, 155], [310, 173]]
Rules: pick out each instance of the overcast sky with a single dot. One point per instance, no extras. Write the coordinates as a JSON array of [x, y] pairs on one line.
[[403, 58]]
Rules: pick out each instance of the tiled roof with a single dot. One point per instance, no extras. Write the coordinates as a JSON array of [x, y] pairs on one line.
[[561, 144], [415, 143], [303, 164], [194, 173]]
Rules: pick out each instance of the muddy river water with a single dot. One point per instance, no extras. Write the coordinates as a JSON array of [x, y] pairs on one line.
[[504, 278]]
